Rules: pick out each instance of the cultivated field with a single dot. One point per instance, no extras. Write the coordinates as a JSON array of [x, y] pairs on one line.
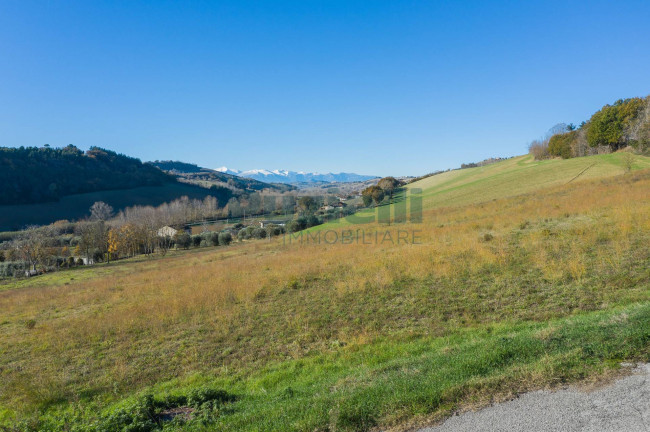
[[522, 279]]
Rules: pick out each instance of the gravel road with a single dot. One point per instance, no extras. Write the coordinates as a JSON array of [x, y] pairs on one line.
[[623, 406]]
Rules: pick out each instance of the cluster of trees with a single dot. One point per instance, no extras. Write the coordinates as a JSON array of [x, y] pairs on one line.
[[175, 213], [386, 187], [611, 126], [253, 232], [137, 230], [625, 123], [33, 175], [484, 162], [256, 204], [38, 248], [106, 236]]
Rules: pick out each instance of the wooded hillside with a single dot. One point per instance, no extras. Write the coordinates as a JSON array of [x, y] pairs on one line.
[[37, 175], [625, 123]]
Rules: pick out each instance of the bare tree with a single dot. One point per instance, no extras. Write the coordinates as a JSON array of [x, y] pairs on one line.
[[31, 245], [101, 211], [539, 149]]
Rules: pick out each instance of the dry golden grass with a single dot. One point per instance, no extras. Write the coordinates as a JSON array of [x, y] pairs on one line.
[[550, 253]]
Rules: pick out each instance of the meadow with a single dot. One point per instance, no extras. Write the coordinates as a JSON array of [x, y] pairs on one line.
[[506, 290]]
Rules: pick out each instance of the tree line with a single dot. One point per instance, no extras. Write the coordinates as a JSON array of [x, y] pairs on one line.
[[613, 127], [34, 175], [107, 235]]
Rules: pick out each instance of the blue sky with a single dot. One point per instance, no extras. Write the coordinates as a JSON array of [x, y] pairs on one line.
[[376, 87]]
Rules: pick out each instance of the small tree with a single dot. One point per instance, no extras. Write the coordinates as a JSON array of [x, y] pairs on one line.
[[628, 161], [307, 205], [539, 149], [225, 238], [114, 243], [101, 211], [389, 185], [30, 246], [214, 238], [164, 244], [183, 239], [366, 196], [372, 193]]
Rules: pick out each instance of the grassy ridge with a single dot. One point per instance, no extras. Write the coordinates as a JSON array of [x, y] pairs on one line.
[[516, 176], [357, 331], [512, 177]]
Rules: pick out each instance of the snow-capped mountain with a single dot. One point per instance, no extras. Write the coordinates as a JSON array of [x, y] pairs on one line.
[[285, 176], [227, 170]]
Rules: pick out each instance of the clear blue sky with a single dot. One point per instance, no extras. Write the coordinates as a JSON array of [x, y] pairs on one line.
[[376, 87]]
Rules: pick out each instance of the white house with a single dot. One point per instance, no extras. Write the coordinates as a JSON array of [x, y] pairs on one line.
[[167, 231]]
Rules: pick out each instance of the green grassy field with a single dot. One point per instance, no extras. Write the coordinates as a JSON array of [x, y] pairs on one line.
[[73, 207], [516, 176], [509, 178], [513, 292]]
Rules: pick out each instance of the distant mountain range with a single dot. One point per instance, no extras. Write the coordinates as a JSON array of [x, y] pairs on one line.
[[285, 176]]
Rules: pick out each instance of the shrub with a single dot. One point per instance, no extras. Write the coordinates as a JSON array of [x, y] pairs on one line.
[[259, 233], [199, 396], [313, 221], [143, 414], [136, 416], [225, 238], [12, 268], [98, 256], [183, 239], [561, 144], [297, 224], [196, 240], [214, 238], [628, 161], [275, 230]]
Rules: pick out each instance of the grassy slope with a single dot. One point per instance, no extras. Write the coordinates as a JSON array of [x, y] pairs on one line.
[[345, 337], [516, 176], [76, 206], [512, 177]]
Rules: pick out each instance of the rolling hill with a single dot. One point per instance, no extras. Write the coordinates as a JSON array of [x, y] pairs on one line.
[[44, 185], [191, 173], [509, 178], [35, 175], [525, 275], [516, 176]]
